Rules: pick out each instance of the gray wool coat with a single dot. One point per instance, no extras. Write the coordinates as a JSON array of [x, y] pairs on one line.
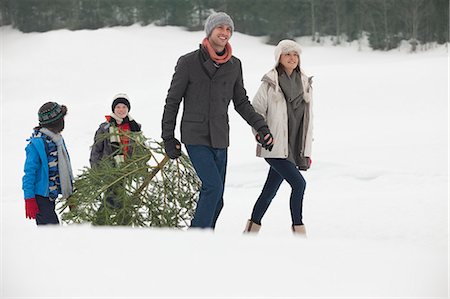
[[207, 92]]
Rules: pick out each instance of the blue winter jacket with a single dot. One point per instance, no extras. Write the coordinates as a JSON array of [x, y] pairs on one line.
[[35, 181]]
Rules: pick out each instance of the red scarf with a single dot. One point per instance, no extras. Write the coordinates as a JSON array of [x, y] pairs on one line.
[[212, 53], [122, 128]]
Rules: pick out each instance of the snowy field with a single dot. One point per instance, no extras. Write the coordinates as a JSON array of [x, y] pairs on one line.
[[376, 204]]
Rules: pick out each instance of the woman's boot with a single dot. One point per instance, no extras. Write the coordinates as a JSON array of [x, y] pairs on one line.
[[252, 227], [299, 230]]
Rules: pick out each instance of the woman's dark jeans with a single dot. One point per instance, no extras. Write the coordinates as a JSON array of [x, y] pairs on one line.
[[281, 169]]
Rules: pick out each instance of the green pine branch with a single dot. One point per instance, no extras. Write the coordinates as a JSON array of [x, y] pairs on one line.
[[148, 189]]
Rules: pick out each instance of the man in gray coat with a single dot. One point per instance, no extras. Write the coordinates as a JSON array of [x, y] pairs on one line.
[[207, 80]]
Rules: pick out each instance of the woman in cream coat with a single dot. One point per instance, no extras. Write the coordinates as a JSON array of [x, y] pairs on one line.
[[285, 100]]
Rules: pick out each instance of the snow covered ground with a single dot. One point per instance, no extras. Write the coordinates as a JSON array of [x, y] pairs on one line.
[[376, 204]]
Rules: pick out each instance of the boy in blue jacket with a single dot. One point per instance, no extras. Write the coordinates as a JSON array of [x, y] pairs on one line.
[[48, 171]]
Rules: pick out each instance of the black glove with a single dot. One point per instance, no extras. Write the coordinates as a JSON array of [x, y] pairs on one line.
[[266, 142], [173, 148]]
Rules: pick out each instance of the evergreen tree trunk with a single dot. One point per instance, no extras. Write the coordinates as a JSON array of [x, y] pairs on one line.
[[386, 32], [338, 28], [313, 22]]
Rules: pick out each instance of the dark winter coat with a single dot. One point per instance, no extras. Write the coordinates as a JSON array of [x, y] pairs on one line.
[[207, 92], [102, 146]]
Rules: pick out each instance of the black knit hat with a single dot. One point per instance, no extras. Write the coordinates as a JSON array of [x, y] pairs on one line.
[[121, 98], [51, 112]]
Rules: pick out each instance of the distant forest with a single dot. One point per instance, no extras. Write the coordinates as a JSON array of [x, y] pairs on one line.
[[385, 22]]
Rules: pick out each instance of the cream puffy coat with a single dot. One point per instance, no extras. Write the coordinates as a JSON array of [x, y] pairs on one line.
[[269, 101]]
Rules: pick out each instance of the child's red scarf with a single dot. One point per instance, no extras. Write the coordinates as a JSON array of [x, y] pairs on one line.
[[122, 128]]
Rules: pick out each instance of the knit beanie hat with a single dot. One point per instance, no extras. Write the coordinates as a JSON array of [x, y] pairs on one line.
[[51, 112], [121, 98], [216, 19], [284, 47]]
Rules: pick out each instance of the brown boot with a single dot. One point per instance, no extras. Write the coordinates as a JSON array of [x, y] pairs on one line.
[[252, 227], [299, 230]]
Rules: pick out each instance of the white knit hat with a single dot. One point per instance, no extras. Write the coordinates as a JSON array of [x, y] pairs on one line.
[[216, 19], [284, 47]]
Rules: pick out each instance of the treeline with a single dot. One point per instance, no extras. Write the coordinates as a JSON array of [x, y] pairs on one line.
[[386, 22]]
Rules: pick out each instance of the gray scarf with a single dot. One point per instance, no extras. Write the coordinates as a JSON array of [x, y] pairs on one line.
[[297, 111], [292, 87], [64, 167]]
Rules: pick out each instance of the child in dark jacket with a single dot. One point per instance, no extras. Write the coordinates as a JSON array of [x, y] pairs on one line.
[[112, 143], [116, 146], [48, 172]]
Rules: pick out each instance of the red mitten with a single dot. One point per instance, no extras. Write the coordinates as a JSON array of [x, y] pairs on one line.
[[31, 208]]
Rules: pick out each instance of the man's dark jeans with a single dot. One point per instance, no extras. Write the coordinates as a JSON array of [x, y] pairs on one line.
[[210, 165]]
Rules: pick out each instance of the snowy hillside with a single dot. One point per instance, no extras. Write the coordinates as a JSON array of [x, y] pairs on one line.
[[376, 204]]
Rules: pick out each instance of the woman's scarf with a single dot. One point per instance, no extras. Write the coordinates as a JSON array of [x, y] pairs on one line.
[[64, 167], [292, 87], [214, 56]]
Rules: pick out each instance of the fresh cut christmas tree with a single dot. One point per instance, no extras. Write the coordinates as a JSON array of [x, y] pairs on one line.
[[144, 189]]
